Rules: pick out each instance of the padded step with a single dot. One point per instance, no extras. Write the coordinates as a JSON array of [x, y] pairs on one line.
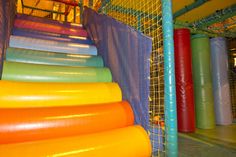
[[26, 24], [51, 36], [29, 94], [130, 141], [49, 73], [52, 58], [48, 21], [50, 45], [57, 122]]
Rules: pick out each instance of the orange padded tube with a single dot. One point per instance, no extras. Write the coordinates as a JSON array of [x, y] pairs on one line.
[[29, 124]]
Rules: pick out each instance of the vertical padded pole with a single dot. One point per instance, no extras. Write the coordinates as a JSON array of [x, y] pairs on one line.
[[169, 80], [184, 81], [203, 94], [221, 90]]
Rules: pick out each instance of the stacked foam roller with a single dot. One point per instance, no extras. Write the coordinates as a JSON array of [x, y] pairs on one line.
[[210, 77], [58, 99]]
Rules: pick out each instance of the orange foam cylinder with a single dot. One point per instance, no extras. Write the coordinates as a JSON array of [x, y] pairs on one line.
[[131, 141], [26, 94], [29, 124]]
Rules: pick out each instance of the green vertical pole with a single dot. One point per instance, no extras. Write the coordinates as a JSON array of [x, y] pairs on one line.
[[203, 91], [169, 80]]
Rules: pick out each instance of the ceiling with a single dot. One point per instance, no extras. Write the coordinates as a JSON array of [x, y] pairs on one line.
[[202, 11], [226, 27]]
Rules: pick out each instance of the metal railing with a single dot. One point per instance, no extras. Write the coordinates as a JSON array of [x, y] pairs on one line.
[[61, 10]]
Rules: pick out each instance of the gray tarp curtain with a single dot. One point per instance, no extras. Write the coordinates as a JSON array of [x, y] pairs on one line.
[[127, 53]]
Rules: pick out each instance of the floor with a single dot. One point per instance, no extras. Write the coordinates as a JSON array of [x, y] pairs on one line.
[[218, 142]]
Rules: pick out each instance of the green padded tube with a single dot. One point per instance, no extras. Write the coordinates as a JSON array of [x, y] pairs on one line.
[[203, 94], [50, 73], [52, 58]]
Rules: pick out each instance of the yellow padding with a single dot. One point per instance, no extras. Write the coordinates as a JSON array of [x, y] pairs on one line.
[[130, 141], [25, 94]]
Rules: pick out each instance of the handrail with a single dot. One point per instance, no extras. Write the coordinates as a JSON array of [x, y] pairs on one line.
[[68, 2], [52, 11]]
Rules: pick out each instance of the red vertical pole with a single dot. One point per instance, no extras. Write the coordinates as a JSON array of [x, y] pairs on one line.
[[184, 81]]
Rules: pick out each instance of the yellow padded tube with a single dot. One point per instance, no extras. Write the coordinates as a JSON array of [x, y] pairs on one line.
[[130, 141], [26, 94]]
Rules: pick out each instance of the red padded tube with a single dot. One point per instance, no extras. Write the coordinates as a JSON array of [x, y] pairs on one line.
[[184, 81]]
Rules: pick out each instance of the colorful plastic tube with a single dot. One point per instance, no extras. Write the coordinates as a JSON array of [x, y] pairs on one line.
[[184, 81], [30, 124], [50, 36], [52, 58], [26, 72], [25, 94], [50, 45], [48, 21], [130, 141], [221, 88], [203, 94], [32, 25]]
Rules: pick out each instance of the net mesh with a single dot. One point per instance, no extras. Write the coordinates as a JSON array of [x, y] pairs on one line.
[[145, 16], [232, 74]]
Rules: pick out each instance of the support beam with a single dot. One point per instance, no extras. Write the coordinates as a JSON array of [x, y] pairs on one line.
[[210, 33], [188, 8], [216, 17]]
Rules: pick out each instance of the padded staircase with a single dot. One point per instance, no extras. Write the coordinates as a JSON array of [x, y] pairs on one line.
[[58, 99]]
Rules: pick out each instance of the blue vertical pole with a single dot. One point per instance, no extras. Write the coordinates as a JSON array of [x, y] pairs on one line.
[[169, 80], [139, 22]]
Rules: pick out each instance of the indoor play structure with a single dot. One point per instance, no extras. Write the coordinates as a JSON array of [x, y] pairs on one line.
[[62, 101], [120, 78]]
